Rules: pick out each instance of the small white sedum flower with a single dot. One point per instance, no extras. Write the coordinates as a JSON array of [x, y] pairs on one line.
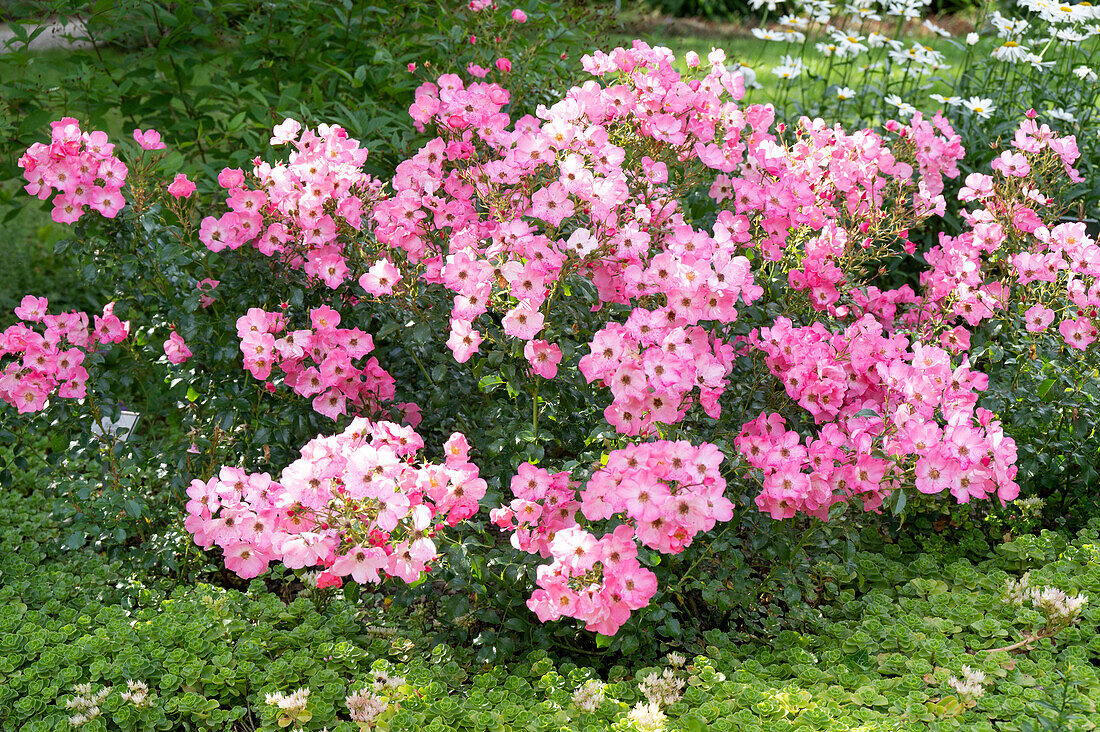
[[589, 695], [137, 693], [647, 717], [662, 689], [971, 686]]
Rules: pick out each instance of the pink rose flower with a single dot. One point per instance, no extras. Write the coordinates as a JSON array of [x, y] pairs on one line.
[[149, 140], [175, 348], [181, 187]]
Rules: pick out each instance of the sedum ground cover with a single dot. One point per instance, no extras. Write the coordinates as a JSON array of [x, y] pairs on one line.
[[878, 651]]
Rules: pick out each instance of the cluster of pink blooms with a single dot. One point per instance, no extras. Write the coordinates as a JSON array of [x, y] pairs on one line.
[[304, 210], [316, 362], [651, 370], [566, 200], [354, 504], [561, 204], [666, 493], [51, 361], [837, 185], [1057, 264], [893, 413], [829, 175], [511, 215], [597, 581], [80, 167], [544, 504]]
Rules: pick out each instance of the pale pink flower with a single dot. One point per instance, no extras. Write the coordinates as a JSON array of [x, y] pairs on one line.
[[149, 140], [176, 349]]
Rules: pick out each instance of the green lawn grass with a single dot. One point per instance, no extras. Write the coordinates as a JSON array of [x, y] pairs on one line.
[[763, 56]]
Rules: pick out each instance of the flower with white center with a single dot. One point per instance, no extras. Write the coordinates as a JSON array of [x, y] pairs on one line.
[[972, 39], [982, 107], [366, 706], [971, 686], [292, 707], [137, 693], [662, 690], [86, 703]]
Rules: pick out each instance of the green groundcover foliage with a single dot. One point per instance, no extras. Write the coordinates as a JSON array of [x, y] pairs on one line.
[[885, 651]]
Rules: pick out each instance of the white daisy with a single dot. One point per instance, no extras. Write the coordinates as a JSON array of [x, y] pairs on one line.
[[1011, 51], [1084, 73], [982, 107], [1062, 115], [949, 101], [930, 26], [767, 35]]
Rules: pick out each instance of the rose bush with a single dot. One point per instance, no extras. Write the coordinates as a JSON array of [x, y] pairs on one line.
[[597, 319]]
